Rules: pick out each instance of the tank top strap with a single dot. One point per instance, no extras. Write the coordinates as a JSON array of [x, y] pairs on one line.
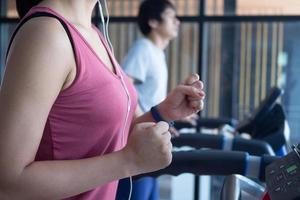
[[42, 14]]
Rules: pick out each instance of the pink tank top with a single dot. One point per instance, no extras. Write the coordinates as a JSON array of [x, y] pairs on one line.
[[87, 118]]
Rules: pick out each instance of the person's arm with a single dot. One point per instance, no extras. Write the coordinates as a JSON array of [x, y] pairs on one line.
[[38, 68], [134, 67], [185, 100]]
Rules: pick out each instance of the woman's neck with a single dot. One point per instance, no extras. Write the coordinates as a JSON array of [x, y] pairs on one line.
[[78, 12]]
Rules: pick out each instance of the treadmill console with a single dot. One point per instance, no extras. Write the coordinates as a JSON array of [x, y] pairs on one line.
[[283, 177]]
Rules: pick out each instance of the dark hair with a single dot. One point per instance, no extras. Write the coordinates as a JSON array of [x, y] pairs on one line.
[[151, 9], [24, 6]]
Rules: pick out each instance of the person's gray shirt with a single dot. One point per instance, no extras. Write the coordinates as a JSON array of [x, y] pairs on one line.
[[146, 64]]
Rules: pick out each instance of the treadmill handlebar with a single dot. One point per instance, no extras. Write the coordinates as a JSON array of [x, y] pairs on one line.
[[253, 147], [215, 122], [221, 142], [207, 123], [213, 162], [199, 140]]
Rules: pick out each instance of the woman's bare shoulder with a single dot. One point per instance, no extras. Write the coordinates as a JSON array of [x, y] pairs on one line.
[[43, 35]]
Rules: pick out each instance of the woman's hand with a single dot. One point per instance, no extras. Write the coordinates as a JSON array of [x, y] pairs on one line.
[[185, 100], [149, 147]]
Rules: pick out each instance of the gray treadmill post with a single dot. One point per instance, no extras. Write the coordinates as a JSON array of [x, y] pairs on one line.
[[236, 185]]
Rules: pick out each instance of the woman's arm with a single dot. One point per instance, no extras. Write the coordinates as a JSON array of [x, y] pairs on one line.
[[185, 100], [38, 68]]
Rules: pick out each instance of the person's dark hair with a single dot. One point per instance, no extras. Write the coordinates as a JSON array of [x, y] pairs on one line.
[[24, 6], [151, 9]]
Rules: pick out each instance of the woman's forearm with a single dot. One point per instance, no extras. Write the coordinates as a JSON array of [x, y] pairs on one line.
[[147, 116], [61, 179]]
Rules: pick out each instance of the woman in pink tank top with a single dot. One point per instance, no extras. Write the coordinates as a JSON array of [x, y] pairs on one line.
[[67, 123]]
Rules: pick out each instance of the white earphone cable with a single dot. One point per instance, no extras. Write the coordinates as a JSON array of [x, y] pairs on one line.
[[107, 38], [102, 20], [107, 22]]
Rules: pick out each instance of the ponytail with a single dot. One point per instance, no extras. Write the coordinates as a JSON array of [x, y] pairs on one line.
[[24, 6]]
